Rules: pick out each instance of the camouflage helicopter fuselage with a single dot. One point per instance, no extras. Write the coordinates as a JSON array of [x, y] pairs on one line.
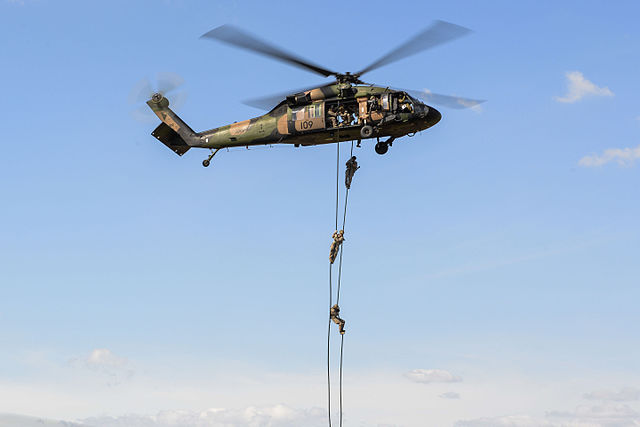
[[307, 118]]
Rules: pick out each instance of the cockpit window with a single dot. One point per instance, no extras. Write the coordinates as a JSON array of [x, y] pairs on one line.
[[405, 103]]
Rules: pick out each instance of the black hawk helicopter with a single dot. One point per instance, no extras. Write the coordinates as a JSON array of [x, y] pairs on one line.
[[346, 109]]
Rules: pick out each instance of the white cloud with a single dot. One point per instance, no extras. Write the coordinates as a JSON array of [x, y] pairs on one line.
[[622, 156], [252, 416], [427, 376], [11, 420], [102, 357], [506, 421], [105, 362], [626, 394], [606, 415], [450, 395], [578, 87]]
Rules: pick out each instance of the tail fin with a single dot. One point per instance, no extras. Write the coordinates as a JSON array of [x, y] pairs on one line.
[[172, 132]]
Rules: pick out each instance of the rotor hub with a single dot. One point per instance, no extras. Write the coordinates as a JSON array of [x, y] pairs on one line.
[[157, 97], [348, 78]]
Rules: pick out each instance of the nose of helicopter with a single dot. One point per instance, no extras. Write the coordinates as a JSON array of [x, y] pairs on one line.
[[433, 117]]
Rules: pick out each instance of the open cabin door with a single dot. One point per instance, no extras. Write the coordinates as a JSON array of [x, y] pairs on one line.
[[309, 117]]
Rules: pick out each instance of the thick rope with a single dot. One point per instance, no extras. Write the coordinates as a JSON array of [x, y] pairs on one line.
[[329, 351], [341, 351], [337, 179], [331, 287], [344, 220]]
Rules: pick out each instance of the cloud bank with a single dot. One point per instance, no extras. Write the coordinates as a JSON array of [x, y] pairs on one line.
[[450, 395], [104, 362], [608, 413], [506, 421], [427, 376], [11, 420], [623, 156], [579, 87], [626, 394], [270, 416]]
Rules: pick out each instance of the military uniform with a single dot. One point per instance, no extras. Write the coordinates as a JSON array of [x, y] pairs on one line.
[[345, 115], [405, 105], [338, 238], [373, 104], [352, 167], [335, 316], [333, 120]]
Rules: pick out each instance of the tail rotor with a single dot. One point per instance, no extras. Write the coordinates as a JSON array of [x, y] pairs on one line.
[[169, 85]]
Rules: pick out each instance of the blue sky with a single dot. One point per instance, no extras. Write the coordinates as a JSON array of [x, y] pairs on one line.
[[499, 246]]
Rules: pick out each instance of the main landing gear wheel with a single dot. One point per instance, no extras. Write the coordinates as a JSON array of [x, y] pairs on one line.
[[206, 163], [381, 147], [366, 131]]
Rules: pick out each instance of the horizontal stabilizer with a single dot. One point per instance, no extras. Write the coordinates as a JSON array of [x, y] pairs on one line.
[[171, 139]]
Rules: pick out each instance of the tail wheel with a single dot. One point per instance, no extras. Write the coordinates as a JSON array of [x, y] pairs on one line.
[[381, 147], [366, 131]]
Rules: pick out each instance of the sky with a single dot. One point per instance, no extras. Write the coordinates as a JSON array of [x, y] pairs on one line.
[[490, 265]]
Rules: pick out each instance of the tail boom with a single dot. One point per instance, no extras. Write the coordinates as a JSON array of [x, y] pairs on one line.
[[173, 131]]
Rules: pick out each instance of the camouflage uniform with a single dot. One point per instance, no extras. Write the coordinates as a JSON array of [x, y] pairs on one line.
[[338, 238], [373, 104], [335, 316], [405, 105], [352, 167], [345, 114], [350, 117], [333, 120]]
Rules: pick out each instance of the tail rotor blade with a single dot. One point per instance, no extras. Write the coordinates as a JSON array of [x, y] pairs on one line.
[[141, 92], [144, 115], [168, 82], [178, 99], [165, 83]]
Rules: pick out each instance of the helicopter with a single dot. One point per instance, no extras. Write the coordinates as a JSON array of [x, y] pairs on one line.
[[346, 109]]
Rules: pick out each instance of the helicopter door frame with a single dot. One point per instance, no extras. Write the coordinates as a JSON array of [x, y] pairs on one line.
[[385, 101], [308, 118]]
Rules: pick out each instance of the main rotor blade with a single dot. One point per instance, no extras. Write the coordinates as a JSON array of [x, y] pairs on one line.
[[449, 101], [270, 101], [235, 37], [439, 32]]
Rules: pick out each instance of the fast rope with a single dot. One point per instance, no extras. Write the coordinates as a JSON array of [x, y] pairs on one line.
[[337, 248]]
